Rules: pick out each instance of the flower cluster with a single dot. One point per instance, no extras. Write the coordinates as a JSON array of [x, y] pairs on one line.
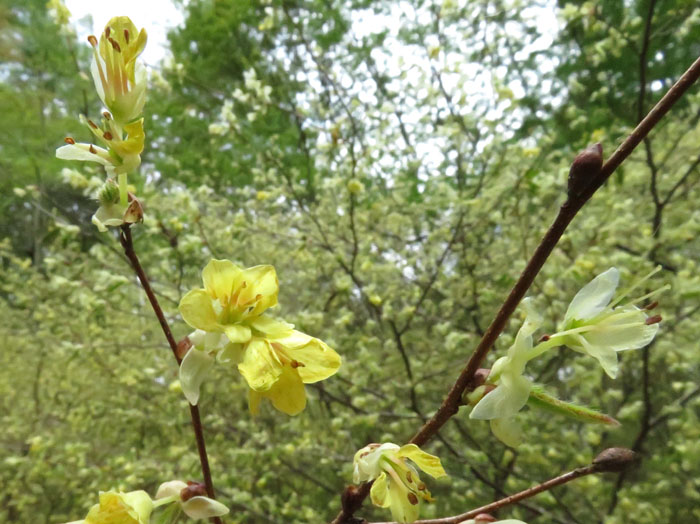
[[275, 359], [397, 484], [120, 81], [135, 507], [594, 324]]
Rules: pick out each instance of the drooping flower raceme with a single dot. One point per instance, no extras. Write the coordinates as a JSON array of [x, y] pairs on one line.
[[120, 81], [275, 359], [116, 507], [594, 324], [397, 484], [512, 387]]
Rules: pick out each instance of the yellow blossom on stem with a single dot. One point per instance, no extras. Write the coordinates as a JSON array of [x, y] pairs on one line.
[[120, 508], [119, 79], [275, 359], [397, 484]]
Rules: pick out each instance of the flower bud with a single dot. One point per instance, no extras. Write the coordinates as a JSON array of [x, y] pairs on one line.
[[108, 193], [584, 169]]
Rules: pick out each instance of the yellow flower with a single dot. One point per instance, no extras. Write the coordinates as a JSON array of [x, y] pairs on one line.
[[232, 297], [119, 79], [120, 508], [275, 360], [397, 484]]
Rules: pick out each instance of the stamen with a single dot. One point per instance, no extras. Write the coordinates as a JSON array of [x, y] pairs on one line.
[[93, 40], [107, 115], [107, 135], [652, 294], [412, 498], [69, 140], [92, 124], [108, 30], [635, 286], [409, 477], [115, 45], [126, 35], [651, 306], [296, 364], [653, 320], [92, 150], [544, 338]]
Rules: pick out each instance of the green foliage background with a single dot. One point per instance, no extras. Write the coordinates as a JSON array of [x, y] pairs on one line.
[[459, 119]]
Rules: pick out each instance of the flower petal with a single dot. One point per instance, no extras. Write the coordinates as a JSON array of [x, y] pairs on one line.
[[606, 356], [197, 310], [170, 489], [504, 401], [237, 333], [193, 370], [203, 508], [261, 288], [379, 492], [593, 297], [287, 394], [271, 327], [219, 277], [404, 504], [507, 430], [260, 367], [316, 360], [621, 332], [83, 152], [425, 461]]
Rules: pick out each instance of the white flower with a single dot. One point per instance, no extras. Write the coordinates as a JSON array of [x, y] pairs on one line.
[[595, 326]]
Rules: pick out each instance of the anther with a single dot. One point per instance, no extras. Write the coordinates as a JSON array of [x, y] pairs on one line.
[[296, 364], [651, 306], [544, 338], [107, 135], [409, 477], [107, 115], [115, 45], [653, 320], [69, 140], [92, 150], [93, 40], [412, 498], [108, 30], [92, 124], [126, 35]]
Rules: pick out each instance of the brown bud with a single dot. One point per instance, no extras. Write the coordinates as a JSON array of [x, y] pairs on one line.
[[479, 378], [193, 489], [183, 347], [584, 169], [484, 517], [614, 459]]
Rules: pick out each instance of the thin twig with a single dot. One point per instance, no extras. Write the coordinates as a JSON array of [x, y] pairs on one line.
[[512, 499], [128, 245]]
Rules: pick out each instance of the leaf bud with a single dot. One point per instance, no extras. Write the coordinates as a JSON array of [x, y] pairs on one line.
[[614, 459], [584, 169]]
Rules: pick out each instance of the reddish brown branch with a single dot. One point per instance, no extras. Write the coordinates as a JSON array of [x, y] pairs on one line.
[[128, 245], [612, 459], [567, 212]]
